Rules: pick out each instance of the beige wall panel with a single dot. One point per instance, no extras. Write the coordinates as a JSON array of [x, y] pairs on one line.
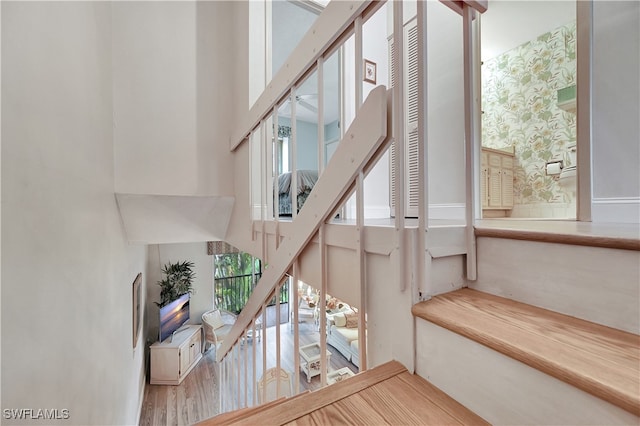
[[596, 284], [342, 271], [389, 320], [502, 390], [310, 265]]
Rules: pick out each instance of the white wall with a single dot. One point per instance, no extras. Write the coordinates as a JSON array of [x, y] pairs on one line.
[[256, 31], [243, 60], [67, 271], [374, 48], [445, 124], [615, 140], [290, 22], [172, 96], [508, 24], [202, 297]]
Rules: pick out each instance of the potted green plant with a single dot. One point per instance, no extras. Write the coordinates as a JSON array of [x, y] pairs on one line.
[[178, 280]]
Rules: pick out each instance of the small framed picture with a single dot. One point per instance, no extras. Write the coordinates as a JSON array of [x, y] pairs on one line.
[[137, 308], [369, 71]]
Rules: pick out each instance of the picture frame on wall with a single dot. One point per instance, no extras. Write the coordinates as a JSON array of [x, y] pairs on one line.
[[369, 71], [137, 308]]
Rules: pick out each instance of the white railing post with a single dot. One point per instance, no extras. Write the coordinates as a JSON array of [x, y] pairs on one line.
[[293, 153], [278, 352], [253, 361], [398, 136], [221, 371], [360, 253], [321, 303], [276, 170], [359, 59], [423, 287], [320, 68], [296, 335], [469, 129], [264, 348]]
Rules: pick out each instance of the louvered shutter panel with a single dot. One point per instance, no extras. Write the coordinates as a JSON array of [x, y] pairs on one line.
[[495, 187], [507, 188], [411, 135], [411, 181], [392, 149]]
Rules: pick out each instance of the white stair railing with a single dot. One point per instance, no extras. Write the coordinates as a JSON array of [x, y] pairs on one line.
[[360, 148]]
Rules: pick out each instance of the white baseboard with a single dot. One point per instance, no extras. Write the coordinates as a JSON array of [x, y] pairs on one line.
[[619, 210], [453, 211], [141, 397], [371, 212]]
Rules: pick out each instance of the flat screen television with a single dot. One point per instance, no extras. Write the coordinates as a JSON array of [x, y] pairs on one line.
[[173, 316]]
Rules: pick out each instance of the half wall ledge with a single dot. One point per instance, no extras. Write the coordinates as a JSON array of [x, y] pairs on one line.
[[159, 219]]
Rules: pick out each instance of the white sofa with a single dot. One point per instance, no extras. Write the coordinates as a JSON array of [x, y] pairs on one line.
[[343, 335]]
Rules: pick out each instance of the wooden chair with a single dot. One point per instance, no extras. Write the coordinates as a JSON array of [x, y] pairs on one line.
[[268, 385], [217, 324]]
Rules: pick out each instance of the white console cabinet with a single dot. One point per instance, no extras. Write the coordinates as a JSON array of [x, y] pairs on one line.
[[174, 358], [496, 182]]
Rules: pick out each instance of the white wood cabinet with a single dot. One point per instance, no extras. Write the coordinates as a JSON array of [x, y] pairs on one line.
[[174, 358], [496, 181]]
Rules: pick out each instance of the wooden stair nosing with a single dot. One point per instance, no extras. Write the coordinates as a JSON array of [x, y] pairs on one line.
[[620, 243], [232, 417], [290, 410], [615, 378]]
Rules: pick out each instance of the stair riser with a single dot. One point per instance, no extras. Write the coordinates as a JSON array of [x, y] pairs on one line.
[[596, 284], [502, 390]]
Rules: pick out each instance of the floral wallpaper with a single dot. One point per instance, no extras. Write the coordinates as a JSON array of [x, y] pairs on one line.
[[519, 97]]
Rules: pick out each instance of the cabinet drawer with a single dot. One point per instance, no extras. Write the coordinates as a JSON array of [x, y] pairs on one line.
[[507, 162], [495, 160]]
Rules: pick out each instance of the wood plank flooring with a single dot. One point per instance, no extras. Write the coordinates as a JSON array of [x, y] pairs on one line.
[[599, 360], [197, 399]]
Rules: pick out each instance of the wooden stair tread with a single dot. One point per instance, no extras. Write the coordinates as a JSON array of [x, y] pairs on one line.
[[387, 394], [602, 361], [625, 238]]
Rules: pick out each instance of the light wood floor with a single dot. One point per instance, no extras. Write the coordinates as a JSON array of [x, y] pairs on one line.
[[196, 398]]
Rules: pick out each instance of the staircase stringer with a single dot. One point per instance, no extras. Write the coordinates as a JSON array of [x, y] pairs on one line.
[[361, 144]]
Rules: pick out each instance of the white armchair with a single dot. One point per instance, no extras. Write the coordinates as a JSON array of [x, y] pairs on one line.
[[217, 324], [307, 310]]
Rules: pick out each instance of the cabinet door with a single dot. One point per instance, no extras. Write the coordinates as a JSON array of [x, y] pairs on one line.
[[484, 181], [507, 188], [164, 364], [495, 187], [185, 357], [194, 347]]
